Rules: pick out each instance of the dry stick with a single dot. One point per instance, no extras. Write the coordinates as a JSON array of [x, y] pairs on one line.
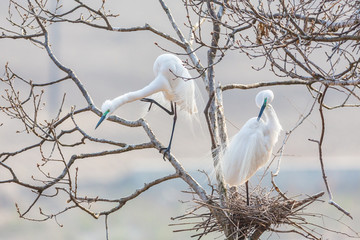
[[214, 105], [206, 113], [221, 117], [85, 95], [320, 142], [184, 43], [281, 150], [21, 215], [287, 135], [106, 226], [137, 192]]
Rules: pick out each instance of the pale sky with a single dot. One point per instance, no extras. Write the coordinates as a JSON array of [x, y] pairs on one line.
[[110, 64]]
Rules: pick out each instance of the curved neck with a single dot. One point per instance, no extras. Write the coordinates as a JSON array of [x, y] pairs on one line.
[[154, 87], [271, 118]]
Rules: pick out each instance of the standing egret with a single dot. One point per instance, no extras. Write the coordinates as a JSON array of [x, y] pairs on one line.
[[173, 81], [252, 146]]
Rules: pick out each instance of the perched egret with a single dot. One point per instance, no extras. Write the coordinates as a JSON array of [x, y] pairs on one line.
[[173, 81], [252, 146]]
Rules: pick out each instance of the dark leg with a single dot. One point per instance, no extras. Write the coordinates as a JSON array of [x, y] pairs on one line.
[[247, 193], [152, 101], [167, 150]]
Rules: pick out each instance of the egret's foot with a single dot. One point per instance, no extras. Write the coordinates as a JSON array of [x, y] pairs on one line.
[[149, 100], [165, 151]]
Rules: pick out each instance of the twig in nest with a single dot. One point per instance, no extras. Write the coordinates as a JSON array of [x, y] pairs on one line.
[[268, 210]]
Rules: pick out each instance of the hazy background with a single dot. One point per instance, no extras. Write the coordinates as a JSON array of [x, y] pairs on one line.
[[110, 64]]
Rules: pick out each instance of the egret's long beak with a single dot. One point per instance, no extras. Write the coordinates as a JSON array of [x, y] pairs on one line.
[[262, 109], [102, 118]]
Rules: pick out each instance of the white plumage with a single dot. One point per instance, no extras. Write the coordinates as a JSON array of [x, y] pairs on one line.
[[252, 146], [172, 80]]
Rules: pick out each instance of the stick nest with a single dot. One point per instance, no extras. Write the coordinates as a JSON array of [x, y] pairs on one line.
[[267, 211], [264, 212]]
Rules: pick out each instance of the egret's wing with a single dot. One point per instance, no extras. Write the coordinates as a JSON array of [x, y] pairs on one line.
[[246, 153], [189, 99], [184, 90]]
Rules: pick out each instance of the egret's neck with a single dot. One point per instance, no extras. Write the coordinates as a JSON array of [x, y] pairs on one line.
[[271, 119], [154, 87]]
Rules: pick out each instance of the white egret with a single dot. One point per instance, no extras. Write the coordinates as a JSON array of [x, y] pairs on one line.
[[173, 81], [252, 146]]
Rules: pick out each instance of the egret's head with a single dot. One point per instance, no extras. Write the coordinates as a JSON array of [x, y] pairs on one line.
[[106, 109], [262, 99]]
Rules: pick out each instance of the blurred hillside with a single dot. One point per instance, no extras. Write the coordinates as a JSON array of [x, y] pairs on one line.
[[149, 216]]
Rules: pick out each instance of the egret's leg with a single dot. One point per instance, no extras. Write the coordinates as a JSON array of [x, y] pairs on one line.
[[247, 193], [167, 150], [152, 101]]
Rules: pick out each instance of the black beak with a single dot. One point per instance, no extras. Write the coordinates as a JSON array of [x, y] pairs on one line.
[[262, 109], [102, 118]]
